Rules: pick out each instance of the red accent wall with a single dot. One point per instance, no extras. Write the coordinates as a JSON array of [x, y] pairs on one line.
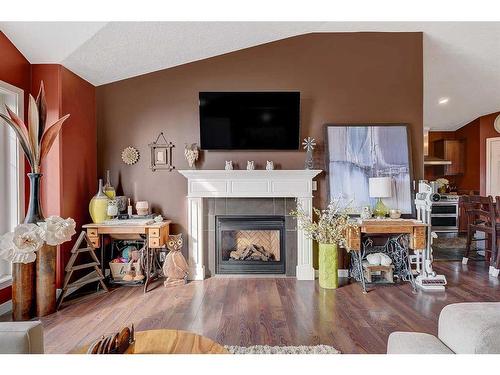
[[50, 74], [486, 131], [78, 155], [474, 134], [70, 170], [15, 70], [470, 180], [70, 176]]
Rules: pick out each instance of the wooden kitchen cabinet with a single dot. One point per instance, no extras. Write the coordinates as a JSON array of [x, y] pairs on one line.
[[454, 151]]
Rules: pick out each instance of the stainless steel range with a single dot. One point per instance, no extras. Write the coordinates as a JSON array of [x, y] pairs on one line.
[[444, 213]]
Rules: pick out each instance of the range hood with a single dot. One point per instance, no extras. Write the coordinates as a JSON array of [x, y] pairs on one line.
[[434, 160], [431, 160]]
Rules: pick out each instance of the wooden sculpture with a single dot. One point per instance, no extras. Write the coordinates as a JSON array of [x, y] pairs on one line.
[[175, 267]]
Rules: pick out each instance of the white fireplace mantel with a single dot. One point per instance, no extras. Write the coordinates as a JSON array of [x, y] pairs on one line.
[[247, 184]]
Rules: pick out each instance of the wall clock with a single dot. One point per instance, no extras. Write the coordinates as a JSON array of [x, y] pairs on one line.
[[496, 124]]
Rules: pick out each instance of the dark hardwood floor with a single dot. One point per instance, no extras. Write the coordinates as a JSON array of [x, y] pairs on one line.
[[274, 311]]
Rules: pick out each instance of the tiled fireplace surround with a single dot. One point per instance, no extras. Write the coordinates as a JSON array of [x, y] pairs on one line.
[[249, 206], [240, 192]]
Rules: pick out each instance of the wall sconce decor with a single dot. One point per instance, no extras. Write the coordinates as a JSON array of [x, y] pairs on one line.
[[161, 154]]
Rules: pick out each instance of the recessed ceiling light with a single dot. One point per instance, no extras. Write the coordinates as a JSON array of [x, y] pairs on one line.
[[443, 100]]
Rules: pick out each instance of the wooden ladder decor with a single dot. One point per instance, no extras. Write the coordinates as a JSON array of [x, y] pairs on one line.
[[70, 268]]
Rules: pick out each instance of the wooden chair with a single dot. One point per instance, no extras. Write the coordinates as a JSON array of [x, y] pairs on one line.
[[481, 217], [497, 217]]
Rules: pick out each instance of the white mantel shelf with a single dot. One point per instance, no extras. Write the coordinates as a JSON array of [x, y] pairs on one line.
[[257, 183], [247, 184]]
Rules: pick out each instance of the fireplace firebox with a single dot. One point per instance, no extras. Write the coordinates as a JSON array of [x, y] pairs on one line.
[[250, 244]]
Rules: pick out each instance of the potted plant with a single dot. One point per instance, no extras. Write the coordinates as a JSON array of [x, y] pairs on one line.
[[329, 229]]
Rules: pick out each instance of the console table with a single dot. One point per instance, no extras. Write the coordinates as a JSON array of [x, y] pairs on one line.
[[155, 236], [411, 234]]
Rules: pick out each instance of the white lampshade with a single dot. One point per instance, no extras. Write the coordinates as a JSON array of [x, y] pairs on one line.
[[380, 187]]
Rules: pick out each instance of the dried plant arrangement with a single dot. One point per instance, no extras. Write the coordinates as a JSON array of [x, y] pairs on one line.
[[327, 226], [36, 139]]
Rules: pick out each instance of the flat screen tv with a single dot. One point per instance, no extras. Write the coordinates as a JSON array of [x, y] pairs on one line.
[[249, 120]]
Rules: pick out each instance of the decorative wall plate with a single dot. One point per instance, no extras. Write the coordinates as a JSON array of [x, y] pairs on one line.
[[130, 155], [496, 124]]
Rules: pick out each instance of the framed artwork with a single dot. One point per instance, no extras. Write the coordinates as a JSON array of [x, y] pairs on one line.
[[161, 157], [355, 153], [161, 154]]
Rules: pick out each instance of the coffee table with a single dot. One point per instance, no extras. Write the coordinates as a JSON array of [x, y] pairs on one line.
[[170, 341]]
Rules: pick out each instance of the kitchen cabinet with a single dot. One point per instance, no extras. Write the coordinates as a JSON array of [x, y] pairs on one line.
[[454, 151]]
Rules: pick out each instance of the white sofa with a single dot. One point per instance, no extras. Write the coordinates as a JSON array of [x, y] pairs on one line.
[[21, 338], [463, 328]]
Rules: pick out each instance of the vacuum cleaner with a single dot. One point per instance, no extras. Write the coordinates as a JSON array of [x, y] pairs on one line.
[[427, 279]]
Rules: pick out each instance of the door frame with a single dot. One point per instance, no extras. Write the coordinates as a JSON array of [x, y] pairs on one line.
[[489, 142]]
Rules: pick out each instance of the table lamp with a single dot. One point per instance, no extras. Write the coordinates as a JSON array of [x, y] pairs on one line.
[[380, 187]]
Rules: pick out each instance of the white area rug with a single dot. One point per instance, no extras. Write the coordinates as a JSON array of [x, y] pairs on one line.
[[266, 349]]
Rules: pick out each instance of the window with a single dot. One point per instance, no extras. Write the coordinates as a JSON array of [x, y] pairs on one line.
[[11, 171]]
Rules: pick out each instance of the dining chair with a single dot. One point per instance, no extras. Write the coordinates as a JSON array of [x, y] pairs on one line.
[[482, 217]]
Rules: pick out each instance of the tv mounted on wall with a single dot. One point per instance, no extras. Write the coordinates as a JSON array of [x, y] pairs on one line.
[[249, 120]]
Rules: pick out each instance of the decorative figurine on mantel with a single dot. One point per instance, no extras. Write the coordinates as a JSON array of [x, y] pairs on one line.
[[175, 267], [229, 165], [191, 152], [250, 165], [269, 165], [309, 144]]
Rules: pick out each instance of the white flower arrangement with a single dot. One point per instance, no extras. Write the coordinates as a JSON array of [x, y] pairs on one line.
[[331, 225], [21, 245], [56, 230]]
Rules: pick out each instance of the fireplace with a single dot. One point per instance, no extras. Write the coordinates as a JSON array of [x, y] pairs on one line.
[[250, 244]]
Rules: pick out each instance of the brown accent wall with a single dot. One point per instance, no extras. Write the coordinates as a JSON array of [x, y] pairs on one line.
[[342, 78]]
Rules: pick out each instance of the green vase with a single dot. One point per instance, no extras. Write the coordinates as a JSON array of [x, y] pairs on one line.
[[328, 266]]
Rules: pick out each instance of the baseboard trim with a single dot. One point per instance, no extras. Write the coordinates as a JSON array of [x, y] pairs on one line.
[[6, 307], [341, 273]]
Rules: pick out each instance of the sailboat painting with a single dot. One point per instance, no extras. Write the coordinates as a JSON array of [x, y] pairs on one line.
[[358, 152]]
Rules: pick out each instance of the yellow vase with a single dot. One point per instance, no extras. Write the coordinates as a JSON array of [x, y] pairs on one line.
[[328, 266], [98, 206]]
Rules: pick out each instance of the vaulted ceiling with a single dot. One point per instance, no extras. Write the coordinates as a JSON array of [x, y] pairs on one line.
[[461, 60]]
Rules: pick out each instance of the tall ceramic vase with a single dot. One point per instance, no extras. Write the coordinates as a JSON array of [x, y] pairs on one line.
[[328, 266], [23, 275]]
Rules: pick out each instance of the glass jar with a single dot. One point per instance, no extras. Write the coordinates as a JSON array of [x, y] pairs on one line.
[[98, 206], [109, 190]]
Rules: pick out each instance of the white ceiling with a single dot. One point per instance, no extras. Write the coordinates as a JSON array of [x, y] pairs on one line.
[[461, 59]]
